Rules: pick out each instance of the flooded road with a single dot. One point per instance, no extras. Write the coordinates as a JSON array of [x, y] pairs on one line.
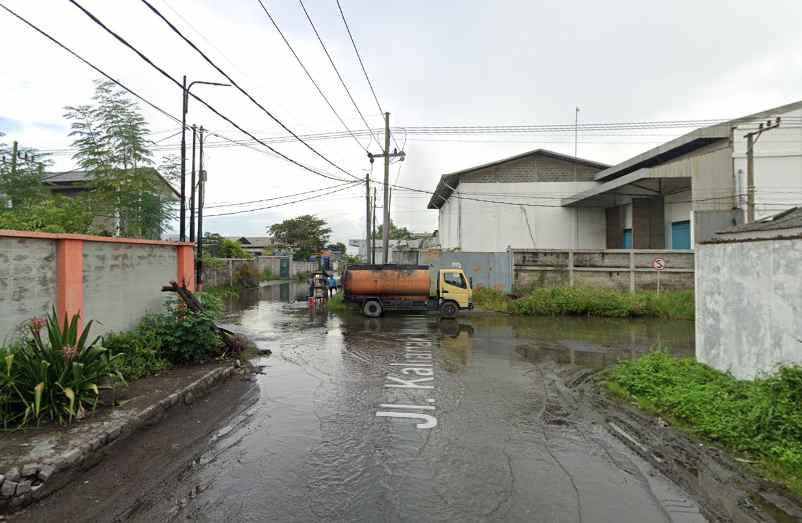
[[412, 418]]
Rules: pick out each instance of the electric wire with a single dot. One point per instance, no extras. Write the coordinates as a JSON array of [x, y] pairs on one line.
[[236, 85], [309, 75], [339, 76], [248, 211], [196, 97], [249, 202], [362, 64]]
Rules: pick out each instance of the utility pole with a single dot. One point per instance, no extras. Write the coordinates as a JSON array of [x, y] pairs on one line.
[[751, 140], [367, 219], [14, 158], [373, 230], [184, 107], [192, 190], [201, 190], [386, 155], [183, 203]]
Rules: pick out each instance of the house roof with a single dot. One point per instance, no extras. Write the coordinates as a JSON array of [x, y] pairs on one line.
[[450, 181], [76, 177], [688, 142], [253, 241], [788, 219]]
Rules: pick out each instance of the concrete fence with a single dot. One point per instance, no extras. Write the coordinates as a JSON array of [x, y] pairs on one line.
[[223, 272], [617, 269], [114, 281]]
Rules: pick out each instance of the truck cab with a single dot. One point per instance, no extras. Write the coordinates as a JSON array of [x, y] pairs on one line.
[[454, 286]]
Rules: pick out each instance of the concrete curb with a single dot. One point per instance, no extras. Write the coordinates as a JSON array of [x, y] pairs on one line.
[[21, 486]]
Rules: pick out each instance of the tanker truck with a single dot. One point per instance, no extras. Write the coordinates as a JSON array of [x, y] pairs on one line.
[[379, 288]]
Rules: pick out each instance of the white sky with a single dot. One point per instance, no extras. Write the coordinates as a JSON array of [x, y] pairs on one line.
[[431, 62]]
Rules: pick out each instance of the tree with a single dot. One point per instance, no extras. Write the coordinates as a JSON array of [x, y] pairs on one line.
[[21, 178], [218, 247], [306, 235], [396, 233], [336, 247], [113, 143]]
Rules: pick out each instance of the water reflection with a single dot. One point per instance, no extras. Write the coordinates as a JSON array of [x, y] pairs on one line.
[[587, 342]]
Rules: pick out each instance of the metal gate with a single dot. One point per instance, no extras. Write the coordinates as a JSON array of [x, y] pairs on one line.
[[284, 268], [486, 269]]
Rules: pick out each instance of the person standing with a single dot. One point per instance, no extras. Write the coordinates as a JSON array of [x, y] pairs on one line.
[[332, 285]]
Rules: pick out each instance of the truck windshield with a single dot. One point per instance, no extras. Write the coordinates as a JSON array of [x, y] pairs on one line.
[[456, 279]]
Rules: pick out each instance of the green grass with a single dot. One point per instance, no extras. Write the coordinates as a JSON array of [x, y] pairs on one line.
[[485, 298], [337, 303], [577, 301], [761, 419]]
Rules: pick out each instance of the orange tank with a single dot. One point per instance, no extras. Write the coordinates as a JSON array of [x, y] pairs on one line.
[[387, 280]]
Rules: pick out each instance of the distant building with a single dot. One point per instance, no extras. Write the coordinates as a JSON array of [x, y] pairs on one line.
[[516, 202], [749, 296], [254, 245], [78, 181], [399, 251], [670, 197]]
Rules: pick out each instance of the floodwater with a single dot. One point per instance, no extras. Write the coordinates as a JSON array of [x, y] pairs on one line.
[[411, 418]]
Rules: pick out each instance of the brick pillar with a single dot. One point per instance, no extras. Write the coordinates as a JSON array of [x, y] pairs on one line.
[[69, 278], [185, 273]]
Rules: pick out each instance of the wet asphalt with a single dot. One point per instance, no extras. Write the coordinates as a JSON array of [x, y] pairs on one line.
[[409, 418]]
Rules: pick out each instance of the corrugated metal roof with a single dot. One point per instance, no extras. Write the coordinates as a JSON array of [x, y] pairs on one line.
[[450, 181], [788, 219], [79, 176]]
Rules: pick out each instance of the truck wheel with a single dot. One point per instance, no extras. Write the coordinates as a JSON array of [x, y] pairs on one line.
[[372, 309], [448, 309]]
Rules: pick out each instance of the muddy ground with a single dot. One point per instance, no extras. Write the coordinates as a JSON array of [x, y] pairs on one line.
[[404, 418]]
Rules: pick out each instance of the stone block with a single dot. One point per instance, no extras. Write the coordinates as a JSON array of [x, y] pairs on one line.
[[45, 471], [12, 474], [8, 489], [30, 470], [23, 487]]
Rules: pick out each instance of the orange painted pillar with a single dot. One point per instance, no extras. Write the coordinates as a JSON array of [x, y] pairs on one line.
[[69, 278], [186, 266]]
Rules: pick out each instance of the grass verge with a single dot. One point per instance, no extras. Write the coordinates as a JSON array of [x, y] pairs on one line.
[[337, 303], [577, 301], [761, 419]]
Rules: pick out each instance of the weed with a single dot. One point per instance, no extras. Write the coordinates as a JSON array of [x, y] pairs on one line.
[[760, 418], [577, 301], [490, 299], [337, 303]]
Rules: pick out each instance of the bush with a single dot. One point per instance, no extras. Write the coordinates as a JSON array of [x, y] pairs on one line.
[[246, 276], [181, 335], [267, 275], [603, 302], [337, 303], [57, 378], [762, 418], [139, 353], [490, 299]]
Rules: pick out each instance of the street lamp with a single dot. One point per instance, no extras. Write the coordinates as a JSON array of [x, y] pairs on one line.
[[184, 107]]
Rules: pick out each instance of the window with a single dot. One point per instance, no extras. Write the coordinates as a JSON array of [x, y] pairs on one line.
[[681, 235], [627, 238], [456, 279]]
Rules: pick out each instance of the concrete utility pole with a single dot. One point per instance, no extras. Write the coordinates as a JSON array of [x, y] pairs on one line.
[[386, 155], [373, 230], [192, 189], [751, 140], [184, 107], [14, 158], [201, 190], [367, 219]]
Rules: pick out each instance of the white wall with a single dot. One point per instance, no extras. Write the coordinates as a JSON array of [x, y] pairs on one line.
[[749, 305], [476, 226], [778, 165]]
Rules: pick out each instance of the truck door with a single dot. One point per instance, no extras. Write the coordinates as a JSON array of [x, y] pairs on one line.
[[454, 286]]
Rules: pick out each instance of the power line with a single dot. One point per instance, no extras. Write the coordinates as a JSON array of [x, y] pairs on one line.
[[309, 75], [361, 63], [236, 85], [217, 205], [196, 97], [331, 61], [247, 211]]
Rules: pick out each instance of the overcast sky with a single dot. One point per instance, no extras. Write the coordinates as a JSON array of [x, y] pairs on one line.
[[431, 62]]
